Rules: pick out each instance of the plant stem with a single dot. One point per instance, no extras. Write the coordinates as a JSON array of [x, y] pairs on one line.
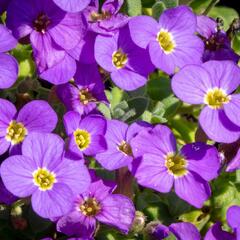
[[210, 6]]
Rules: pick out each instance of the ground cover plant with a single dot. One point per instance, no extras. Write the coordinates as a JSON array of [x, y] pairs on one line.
[[119, 120]]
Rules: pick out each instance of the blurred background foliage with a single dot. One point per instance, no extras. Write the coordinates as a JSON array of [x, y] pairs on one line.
[[154, 103]]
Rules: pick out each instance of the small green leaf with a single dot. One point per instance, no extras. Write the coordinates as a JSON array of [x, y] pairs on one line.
[[226, 13], [159, 87], [134, 8], [158, 9], [104, 109], [139, 105], [170, 3]]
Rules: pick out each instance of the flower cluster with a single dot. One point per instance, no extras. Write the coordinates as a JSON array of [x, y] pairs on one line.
[[94, 62]]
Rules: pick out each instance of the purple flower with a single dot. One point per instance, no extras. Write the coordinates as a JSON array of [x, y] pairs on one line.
[[182, 231], [233, 219], [5, 196], [119, 151], [106, 21], [72, 5], [52, 33], [172, 42], [162, 166], [217, 43], [235, 163], [35, 116], [87, 90], [44, 174], [8, 64], [97, 204], [212, 84], [128, 64], [86, 135]]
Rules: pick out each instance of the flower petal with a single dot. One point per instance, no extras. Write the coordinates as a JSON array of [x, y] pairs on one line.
[[158, 140], [179, 20], [232, 109], [202, 159], [127, 79], [113, 159], [152, 173], [185, 231], [224, 74], [235, 163], [216, 233], [16, 173], [206, 26], [38, 116], [61, 72], [69, 31], [191, 83], [7, 114], [118, 211], [72, 5], [8, 70], [76, 224], [74, 174], [104, 49], [143, 29], [94, 124], [4, 145], [45, 149], [53, 203], [7, 41], [233, 217], [71, 121], [217, 126], [193, 189]]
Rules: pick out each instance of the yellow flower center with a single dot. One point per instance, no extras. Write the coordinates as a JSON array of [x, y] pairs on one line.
[[119, 59], [85, 96], [176, 164], [166, 41], [82, 139], [16, 132], [125, 148], [44, 179], [216, 97], [95, 16], [90, 207]]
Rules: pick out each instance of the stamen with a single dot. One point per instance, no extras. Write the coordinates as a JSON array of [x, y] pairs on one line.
[[125, 148], [216, 98], [41, 23], [82, 139], [176, 164], [85, 96], [16, 132], [44, 179], [166, 41], [90, 207], [119, 59]]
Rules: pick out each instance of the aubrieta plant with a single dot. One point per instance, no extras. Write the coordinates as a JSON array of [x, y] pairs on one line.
[[119, 120]]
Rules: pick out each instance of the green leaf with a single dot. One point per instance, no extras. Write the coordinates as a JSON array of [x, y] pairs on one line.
[[104, 109], [139, 105], [171, 105], [170, 3], [226, 13], [236, 43], [159, 87], [134, 8], [158, 9], [199, 5]]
